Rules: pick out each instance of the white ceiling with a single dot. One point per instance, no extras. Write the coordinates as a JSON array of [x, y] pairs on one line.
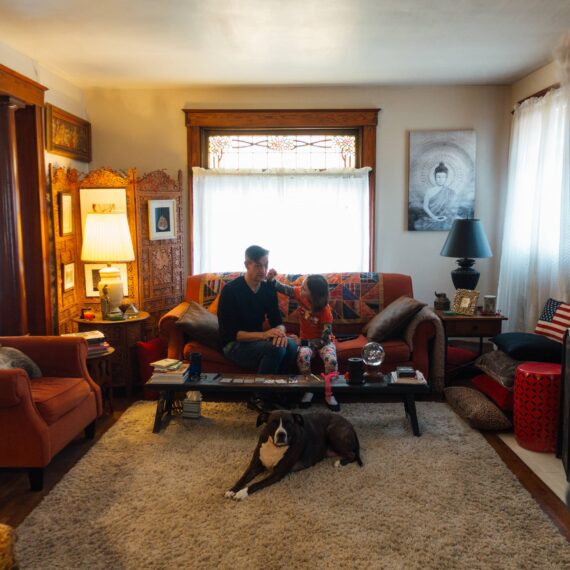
[[128, 43]]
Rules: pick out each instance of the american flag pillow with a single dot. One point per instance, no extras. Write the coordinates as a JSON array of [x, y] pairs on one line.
[[554, 320]]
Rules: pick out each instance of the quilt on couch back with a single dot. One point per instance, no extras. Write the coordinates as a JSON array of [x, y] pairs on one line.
[[354, 297]]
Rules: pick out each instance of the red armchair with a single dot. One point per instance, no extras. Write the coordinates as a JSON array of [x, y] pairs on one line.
[[39, 417]]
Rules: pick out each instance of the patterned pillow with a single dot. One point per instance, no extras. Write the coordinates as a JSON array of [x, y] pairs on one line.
[[554, 320], [393, 319], [499, 366], [14, 358], [476, 409]]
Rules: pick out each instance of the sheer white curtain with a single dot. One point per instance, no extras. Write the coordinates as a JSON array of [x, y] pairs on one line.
[[311, 221], [535, 263]]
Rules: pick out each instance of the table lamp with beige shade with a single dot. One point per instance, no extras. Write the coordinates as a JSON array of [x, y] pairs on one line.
[[107, 239]]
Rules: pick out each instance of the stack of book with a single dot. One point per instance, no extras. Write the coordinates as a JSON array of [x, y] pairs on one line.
[[407, 375], [96, 342], [169, 371], [191, 405]]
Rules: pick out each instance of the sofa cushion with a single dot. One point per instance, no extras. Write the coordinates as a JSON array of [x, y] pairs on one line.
[[500, 366], [14, 358], [213, 360], [502, 396], [476, 408], [54, 397], [393, 319], [198, 324], [529, 346]]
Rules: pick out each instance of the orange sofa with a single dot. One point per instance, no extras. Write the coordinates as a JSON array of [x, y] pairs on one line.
[[355, 299], [40, 416]]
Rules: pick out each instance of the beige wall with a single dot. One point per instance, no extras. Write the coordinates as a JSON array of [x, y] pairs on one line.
[[534, 82], [61, 93], [145, 129]]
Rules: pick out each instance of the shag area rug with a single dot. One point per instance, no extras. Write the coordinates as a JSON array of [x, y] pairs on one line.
[[138, 500]]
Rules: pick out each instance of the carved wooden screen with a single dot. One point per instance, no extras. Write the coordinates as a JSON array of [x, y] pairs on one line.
[[161, 261], [64, 184]]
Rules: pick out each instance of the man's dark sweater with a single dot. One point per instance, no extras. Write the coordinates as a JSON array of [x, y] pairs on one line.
[[240, 309]]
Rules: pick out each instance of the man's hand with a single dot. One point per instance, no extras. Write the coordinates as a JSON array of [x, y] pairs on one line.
[[271, 275], [277, 337]]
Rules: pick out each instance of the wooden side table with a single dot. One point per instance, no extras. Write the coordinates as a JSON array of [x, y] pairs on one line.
[[99, 366], [123, 336], [470, 326]]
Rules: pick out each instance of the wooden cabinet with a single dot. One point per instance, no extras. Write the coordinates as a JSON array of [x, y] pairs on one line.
[[122, 336]]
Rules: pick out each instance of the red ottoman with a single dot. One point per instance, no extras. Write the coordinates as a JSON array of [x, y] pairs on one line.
[[535, 411]]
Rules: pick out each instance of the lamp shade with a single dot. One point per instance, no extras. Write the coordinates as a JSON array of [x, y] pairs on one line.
[[107, 238], [466, 239]]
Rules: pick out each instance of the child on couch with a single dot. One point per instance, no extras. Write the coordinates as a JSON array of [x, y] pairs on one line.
[[315, 328]]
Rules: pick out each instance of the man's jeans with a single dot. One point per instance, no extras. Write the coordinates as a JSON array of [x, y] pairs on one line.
[[263, 356]]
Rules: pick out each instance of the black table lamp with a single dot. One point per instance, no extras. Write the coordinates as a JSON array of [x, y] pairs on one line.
[[466, 241]]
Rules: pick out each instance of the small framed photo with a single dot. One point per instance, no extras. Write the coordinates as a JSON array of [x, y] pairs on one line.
[[92, 278], [65, 214], [161, 219], [68, 276], [465, 301]]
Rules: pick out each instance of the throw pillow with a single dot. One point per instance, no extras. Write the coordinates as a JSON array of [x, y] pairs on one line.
[[503, 397], [200, 325], [393, 319], [14, 358], [499, 366], [476, 408], [529, 346], [554, 320]]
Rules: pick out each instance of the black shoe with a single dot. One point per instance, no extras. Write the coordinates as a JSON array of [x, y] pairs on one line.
[[333, 407]]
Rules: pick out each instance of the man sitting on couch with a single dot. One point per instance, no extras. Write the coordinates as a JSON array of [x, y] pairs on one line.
[[245, 304]]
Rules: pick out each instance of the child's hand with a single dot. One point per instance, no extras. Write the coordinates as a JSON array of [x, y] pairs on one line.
[[271, 275]]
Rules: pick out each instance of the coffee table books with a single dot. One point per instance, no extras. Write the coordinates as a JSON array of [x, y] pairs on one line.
[[417, 378]]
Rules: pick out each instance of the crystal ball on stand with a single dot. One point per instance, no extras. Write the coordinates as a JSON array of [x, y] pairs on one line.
[[373, 355]]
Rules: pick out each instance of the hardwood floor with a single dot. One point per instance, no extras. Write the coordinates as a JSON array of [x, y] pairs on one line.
[[17, 501]]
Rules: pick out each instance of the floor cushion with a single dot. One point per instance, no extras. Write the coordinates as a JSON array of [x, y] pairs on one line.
[[500, 366], [476, 408], [496, 391], [54, 397]]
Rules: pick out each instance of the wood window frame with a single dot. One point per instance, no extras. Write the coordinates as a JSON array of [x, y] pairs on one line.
[[200, 121]]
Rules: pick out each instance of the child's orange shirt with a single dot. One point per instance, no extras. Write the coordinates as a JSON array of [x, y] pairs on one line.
[[311, 324]]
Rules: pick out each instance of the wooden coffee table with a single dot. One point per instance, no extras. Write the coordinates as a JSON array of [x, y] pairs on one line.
[[212, 383]]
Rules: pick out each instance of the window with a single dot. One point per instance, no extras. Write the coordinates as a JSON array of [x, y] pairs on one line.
[[287, 180], [535, 261]]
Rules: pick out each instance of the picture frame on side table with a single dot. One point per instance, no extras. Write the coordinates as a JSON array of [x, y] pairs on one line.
[[465, 302], [161, 219], [68, 272], [67, 135], [92, 278], [65, 214]]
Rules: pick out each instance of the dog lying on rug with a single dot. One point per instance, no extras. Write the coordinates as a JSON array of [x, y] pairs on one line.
[[291, 442]]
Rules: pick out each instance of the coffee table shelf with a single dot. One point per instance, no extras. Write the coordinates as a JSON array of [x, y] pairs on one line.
[[212, 383]]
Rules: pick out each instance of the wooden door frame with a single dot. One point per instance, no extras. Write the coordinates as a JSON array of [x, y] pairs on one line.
[[28, 281], [364, 120]]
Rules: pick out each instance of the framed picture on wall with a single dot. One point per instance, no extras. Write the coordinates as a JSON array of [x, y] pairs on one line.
[[101, 201], [441, 179], [68, 276], [92, 278], [161, 219], [67, 134], [65, 214]]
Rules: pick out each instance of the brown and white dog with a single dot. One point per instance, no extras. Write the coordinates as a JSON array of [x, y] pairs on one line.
[[291, 442]]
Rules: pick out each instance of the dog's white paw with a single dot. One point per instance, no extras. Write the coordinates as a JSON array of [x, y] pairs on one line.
[[240, 495], [229, 495], [337, 463]]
